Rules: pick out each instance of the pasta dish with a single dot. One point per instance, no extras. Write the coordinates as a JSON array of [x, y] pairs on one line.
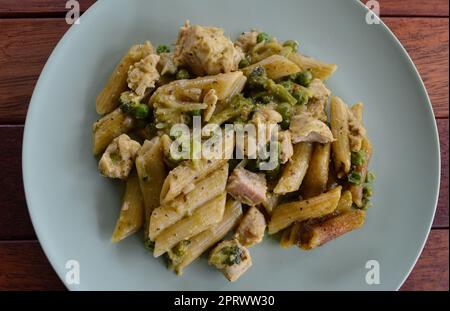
[[220, 141]]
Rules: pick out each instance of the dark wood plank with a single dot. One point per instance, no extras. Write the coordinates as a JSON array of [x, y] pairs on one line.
[[25, 267], [14, 8], [441, 218], [426, 40], [34, 8], [413, 7], [25, 45], [431, 270], [14, 219]]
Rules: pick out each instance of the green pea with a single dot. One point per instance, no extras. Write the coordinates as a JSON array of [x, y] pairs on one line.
[[162, 49], [370, 178], [358, 158], [304, 78], [285, 110], [368, 191], [301, 96], [141, 112], [292, 44], [288, 85], [262, 37], [244, 63], [354, 178], [183, 74]]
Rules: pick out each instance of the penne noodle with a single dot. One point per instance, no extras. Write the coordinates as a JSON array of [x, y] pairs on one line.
[[320, 70], [206, 239], [183, 205], [288, 238], [205, 216], [108, 99], [151, 171], [357, 190], [345, 202], [320, 233], [339, 128], [288, 213], [109, 127], [295, 170], [276, 67], [315, 181], [131, 216], [357, 110], [184, 175]]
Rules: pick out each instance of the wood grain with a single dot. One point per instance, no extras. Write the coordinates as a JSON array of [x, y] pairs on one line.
[[441, 218], [426, 40], [14, 8], [25, 267], [431, 270], [24, 8], [25, 45], [413, 7]]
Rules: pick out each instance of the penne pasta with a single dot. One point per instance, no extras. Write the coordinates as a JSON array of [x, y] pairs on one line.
[[315, 181], [185, 204], [286, 214], [131, 216], [276, 67], [288, 238], [320, 70], [109, 127], [339, 128], [295, 170], [151, 172], [184, 175], [205, 216], [345, 202], [320, 233], [108, 99], [357, 190], [206, 239]]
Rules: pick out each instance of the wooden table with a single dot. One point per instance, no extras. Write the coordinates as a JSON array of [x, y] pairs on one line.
[[29, 30]]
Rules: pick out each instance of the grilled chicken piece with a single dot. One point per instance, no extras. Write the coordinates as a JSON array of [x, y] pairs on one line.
[[247, 40], [231, 258], [287, 150], [247, 187], [206, 50], [118, 159], [251, 229], [319, 99], [143, 74], [305, 128]]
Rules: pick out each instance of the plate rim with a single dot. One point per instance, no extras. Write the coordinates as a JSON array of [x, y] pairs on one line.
[[50, 254]]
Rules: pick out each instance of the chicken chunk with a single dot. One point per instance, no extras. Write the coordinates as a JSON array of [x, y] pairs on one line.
[[305, 128], [247, 187], [287, 149], [118, 159], [143, 74], [231, 258], [206, 50], [356, 132], [210, 100], [166, 64], [251, 228], [247, 40], [319, 99]]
